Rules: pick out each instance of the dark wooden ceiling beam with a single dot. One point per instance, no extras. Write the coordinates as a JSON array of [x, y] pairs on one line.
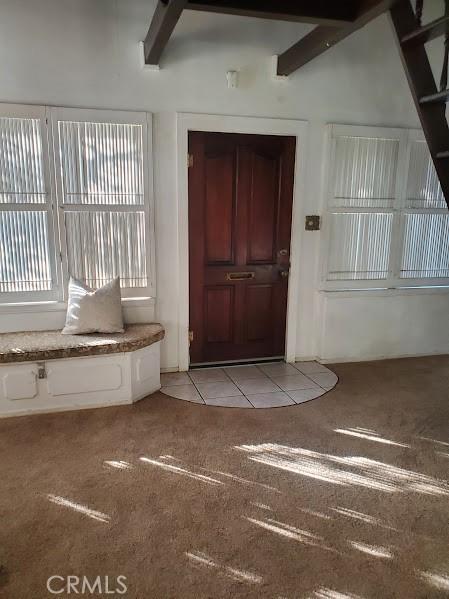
[[325, 12], [164, 20], [324, 37]]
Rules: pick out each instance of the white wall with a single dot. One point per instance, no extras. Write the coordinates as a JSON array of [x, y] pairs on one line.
[[382, 324], [84, 53]]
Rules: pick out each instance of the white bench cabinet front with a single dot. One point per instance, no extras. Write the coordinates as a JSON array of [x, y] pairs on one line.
[[79, 382]]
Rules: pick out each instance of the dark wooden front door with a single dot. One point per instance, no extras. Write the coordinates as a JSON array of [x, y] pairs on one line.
[[240, 207]]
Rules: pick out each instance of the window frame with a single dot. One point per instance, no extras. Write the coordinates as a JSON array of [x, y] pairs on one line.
[[41, 113], [398, 210], [48, 117], [113, 117]]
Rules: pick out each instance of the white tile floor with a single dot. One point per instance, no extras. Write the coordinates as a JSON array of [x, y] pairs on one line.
[[265, 385]]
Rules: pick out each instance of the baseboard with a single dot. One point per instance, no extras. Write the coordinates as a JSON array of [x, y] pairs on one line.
[[67, 408], [373, 358], [342, 360], [308, 359]]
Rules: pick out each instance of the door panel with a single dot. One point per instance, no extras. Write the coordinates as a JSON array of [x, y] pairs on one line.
[[219, 314], [219, 208], [259, 310], [240, 201], [263, 201]]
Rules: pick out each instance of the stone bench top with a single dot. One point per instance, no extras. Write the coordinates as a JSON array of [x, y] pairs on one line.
[[38, 346]]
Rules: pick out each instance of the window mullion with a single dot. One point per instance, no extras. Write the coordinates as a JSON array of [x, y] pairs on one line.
[[103, 208], [400, 199], [58, 203], [50, 203]]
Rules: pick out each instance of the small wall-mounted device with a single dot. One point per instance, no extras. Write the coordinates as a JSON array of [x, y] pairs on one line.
[[41, 372], [312, 223], [232, 78]]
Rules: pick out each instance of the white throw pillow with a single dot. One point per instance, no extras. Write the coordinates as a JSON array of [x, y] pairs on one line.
[[94, 311]]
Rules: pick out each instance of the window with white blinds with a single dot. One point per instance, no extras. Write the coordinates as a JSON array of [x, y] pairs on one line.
[[387, 221], [27, 264], [100, 205], [102, 197], [425, 248]]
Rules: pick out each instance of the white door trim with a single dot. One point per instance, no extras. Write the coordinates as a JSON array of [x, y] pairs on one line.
[[237, 124]]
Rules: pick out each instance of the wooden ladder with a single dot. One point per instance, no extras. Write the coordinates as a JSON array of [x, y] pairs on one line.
[[430, 101]]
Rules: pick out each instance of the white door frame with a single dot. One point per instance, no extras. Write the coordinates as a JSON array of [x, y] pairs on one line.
[[237, 124]]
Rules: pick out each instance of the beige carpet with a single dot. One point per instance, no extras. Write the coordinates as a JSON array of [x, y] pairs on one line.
[[342, 497]]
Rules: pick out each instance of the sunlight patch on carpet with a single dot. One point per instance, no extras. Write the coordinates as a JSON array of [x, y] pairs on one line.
[[78, 507]]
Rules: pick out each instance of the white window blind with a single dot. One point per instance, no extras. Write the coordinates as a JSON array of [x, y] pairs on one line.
[[387, 219], [425, 252], [27, 265], [423, 187], [359, 246], [363, 173], [103, 196]]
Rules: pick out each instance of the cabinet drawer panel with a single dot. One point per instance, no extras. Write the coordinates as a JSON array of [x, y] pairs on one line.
[[20, 383], [66, 379]]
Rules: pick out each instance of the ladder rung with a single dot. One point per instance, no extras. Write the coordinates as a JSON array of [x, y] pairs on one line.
[[427, 32], [443, 154], [436, 98]]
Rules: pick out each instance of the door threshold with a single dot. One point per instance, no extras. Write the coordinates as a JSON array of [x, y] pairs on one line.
[[237, 362]]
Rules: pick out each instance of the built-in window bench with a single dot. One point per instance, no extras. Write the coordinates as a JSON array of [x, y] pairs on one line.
[[45, 371]]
